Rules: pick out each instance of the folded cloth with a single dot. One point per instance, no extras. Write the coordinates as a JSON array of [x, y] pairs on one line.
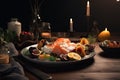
[[14, 76], [12, 49], [12, 71]]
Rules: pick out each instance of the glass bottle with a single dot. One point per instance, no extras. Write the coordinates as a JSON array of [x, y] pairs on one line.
[[93, 32], [94, 29]]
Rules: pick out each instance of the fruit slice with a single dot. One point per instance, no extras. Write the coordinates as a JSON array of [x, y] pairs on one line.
[[80, 50], [73, 55], [84, 41]]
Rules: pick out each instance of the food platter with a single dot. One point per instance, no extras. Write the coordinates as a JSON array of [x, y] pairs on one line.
[[111, 49], [25, 51], [110, 46]]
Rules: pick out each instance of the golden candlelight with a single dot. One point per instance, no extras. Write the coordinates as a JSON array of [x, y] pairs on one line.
[[104, 35], [46, 34], [71, 25], [88, 9], [117, 0]]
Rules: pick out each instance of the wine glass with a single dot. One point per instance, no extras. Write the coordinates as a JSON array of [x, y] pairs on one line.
[[45, 30]]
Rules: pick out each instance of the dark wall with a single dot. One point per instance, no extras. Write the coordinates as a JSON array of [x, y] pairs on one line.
[[107, 13], [14, 8], [58, 12]]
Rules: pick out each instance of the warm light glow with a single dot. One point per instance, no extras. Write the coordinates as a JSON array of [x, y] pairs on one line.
[[104, 35], [71, 20], [88, 9], [117, 0], [71, 25], [88, 4], [105, 29], [46, 34]]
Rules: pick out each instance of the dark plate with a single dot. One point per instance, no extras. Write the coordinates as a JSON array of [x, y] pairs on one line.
[[110, 50], [53, 63]]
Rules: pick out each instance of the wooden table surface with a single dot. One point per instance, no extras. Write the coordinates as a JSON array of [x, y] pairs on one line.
[[101, 67]]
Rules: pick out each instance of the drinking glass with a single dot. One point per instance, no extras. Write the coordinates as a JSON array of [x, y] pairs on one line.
[[46, 30]]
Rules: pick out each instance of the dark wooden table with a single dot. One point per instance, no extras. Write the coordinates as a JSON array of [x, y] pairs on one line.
[[101, 67]]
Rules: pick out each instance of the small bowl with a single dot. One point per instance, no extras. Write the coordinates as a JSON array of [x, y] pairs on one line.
[[110, 46], [110, 52], [109, 49]]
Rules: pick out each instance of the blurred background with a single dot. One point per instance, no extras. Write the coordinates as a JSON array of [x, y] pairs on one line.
[[58, 12]]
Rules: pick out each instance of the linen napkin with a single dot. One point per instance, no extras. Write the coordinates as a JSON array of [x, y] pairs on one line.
[[13, 70]]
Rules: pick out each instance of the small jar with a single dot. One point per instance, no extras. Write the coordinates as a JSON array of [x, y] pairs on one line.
[[15, 25]]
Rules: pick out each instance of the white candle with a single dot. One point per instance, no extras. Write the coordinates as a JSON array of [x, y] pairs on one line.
[[71, 25], [88, 9]]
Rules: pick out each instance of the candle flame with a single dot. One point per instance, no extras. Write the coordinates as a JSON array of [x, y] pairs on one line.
[[71, 25], [117, 0], [88, 4], [105, 29], [71, 21]]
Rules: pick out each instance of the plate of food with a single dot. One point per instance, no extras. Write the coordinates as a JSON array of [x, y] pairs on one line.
[[110, 46], [58, 53]]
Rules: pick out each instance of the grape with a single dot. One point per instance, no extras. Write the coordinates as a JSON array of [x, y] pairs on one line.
[[89, 48]]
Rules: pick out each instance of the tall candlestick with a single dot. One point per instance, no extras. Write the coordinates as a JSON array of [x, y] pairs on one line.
[[88, 9], [71, 25]]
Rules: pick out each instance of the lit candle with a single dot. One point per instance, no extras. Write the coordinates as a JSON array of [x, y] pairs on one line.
[[117, 0], [71, 25], [88, 9], [104, 35]]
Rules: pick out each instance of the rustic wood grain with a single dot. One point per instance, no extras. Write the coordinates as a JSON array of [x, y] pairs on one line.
[[102, 68]]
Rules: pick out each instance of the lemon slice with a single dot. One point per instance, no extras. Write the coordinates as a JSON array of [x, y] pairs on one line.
[[74, 55]]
